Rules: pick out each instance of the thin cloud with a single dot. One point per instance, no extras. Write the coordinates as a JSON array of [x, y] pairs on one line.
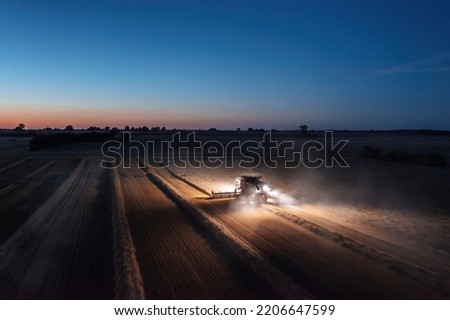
[[436, 63]]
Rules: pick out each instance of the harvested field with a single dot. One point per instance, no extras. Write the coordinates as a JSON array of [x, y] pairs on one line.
[[64, 250], [70, 229]]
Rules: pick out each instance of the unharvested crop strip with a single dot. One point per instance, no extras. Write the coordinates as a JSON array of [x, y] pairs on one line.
[[128, 282]]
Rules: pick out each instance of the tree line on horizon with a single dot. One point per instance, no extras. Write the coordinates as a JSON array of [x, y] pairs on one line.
[[302, 129], [21, 127]]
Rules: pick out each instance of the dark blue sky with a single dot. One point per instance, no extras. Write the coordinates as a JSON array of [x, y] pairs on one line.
[[272, 64]]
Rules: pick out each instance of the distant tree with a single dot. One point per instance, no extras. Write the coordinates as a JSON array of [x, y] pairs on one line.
[[303, 129], [127, 128], [107, 128], [163, 129], [273, 130], [250, 129], [156, 128], [238, 129], [145, 128], [68, 128], [212, 129], [20, 127]]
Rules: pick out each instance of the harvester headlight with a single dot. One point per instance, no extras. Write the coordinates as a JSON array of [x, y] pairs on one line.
[[266, 188], [274, 193]]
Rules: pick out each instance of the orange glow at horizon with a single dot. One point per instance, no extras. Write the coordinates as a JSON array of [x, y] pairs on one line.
[[81, 117]]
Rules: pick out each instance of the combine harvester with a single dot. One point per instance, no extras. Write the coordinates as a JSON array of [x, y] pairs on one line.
[[249, 189]]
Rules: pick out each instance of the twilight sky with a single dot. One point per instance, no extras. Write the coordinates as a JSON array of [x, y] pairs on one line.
[[226, 64]]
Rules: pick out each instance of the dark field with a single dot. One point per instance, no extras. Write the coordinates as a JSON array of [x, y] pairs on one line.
[[70, 229]]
